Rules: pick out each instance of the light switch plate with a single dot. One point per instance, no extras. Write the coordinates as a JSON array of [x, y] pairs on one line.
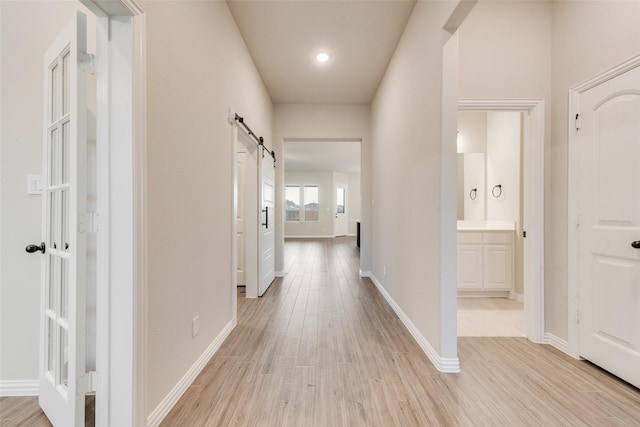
[[34, 184]]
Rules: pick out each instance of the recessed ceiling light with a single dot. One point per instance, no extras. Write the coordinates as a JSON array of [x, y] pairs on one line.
[[322, 57]]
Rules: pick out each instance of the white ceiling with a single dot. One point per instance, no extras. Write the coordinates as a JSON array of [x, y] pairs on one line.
[[283, 38], [334, 156]]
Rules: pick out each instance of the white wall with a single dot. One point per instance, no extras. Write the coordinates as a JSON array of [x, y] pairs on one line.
[[325, 122], [539, 49], [589, 38], [324, 226], [472, 132], [198, 66], [27, 29], [503, 165], [408, 160]]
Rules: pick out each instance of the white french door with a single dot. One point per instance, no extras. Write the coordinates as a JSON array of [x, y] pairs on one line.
[[608, 146], [267, 233], [62, 337]]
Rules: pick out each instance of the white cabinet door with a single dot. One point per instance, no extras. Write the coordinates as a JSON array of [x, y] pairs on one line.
[[609, 267], [498, 267], [470, 266], [63, 305]]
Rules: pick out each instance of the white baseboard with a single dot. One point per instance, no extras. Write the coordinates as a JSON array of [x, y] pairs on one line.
[[448, 365], [310, 237], [363, 273], [19, 388], [351, 235], [279, 273], [556, 342], [518, 297], [155, 418]]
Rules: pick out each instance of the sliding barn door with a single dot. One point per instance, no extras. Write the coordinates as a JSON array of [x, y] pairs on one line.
[[267, 230]]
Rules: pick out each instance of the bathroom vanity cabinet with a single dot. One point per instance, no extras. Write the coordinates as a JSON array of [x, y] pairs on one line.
[[485, 259]]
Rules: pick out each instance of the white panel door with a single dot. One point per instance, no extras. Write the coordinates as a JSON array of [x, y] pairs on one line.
[[341, 222], [608, 144], [241, 160], [267, 233], [63, 305]]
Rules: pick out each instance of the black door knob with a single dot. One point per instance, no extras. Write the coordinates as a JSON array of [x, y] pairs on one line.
[[35, 248], [636, 244]]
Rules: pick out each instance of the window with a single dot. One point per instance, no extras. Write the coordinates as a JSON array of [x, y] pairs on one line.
[[292, 203], [301, 203], [340, 200], [310, 203]]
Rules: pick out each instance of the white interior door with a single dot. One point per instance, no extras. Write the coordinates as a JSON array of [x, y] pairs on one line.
[[608, 145], [267, 233], [341, 222], [62, 345], [241, 160]]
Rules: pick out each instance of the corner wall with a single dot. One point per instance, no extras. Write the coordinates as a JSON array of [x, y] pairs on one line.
[[411, 224], [197, 67]]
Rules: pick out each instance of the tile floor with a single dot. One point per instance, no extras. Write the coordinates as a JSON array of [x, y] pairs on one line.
[[490, 317]]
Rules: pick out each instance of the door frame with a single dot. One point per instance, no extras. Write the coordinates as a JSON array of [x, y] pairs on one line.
[[573, 236], [533, 203], [252, 255], [120, 69]]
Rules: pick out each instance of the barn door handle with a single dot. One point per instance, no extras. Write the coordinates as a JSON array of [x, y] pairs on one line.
[[35, 248], [266, 217], [636, 244]]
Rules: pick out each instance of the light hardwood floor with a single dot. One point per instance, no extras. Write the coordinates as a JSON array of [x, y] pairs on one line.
[[322, 348]]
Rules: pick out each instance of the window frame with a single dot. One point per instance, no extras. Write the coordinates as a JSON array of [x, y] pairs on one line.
[[301, 205]]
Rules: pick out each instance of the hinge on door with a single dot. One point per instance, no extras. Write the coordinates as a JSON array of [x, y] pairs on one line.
[[578, 220], [86, 62], [88, 383], [88, 223], [578, 316], [577, 122]]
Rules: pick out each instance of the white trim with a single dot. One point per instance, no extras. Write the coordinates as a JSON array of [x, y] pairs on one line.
[[556, 342], [140, 212], [19, 388], [364, 273], [279, 273], [533, 201], [351, 235], [447, 365], [573, 237], [299, 236], [164, 407], [518, 297]]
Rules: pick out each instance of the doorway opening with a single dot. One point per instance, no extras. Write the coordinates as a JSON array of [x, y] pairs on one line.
[[500, 217], [322, 189]]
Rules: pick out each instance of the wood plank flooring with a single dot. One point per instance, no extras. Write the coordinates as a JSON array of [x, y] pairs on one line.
[[322, 348]]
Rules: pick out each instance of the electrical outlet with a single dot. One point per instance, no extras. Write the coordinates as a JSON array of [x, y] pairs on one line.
[[195, 326]]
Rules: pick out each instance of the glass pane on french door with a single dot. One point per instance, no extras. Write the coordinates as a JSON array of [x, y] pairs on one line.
[[57, 224]]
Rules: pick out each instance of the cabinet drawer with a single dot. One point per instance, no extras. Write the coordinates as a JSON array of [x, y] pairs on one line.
[[469, 237], [498, 237]]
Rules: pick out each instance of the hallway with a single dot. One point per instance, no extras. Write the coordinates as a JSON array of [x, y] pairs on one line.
[[323, 348]]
